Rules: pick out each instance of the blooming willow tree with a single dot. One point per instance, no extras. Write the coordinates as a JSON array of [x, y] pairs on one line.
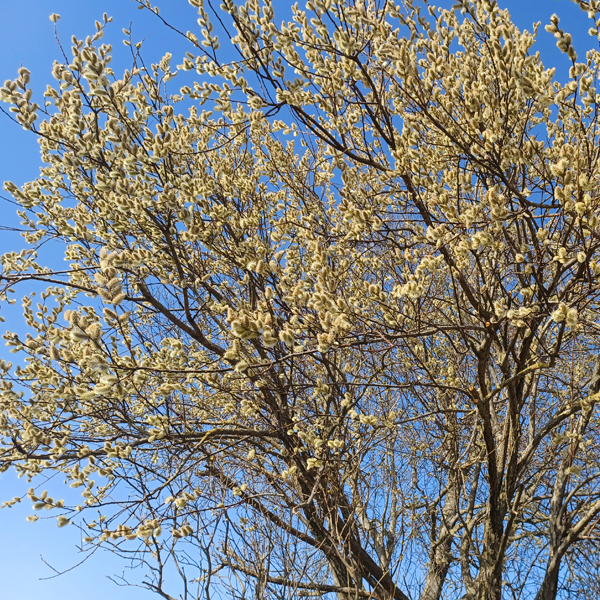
[[328, 322]]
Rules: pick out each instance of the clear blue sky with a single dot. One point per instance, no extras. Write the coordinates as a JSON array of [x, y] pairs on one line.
[[27, 38]]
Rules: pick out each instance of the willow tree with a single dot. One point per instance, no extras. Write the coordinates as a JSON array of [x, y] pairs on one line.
[[335, 334]]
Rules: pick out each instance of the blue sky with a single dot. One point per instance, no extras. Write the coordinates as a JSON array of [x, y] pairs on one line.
[[27, 38]]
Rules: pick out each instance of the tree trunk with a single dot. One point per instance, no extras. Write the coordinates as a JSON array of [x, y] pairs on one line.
[[549, 586], [442, 555], [489, 580]]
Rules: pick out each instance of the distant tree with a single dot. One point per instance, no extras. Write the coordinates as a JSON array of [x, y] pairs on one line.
[[337, 335]]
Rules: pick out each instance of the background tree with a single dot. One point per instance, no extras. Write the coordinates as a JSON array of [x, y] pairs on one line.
[[337, 334]]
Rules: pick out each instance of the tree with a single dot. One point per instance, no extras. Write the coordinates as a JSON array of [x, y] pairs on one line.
[[337, 335]]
